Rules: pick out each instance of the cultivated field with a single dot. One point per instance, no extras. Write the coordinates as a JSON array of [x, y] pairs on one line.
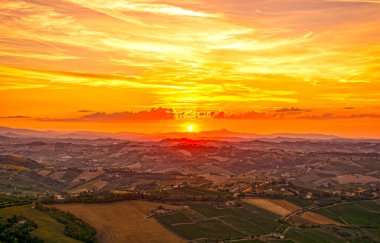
[[280, 207], [284, 208], [312, 236], [44, 172], [318, 219], [206, 221], [57, 175], [362, 213], [361, 179], [95, 185], [88, 175], [122, 221], [17, 167], [48, 229]]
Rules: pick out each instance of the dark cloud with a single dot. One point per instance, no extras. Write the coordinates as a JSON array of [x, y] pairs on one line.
[[326, 116], [292, 109], [318, 116], [85, 111], [153, 114], [60, 119], [252, 115], [15, 117]]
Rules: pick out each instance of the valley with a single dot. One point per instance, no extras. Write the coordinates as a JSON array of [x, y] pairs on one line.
[[184, 190]]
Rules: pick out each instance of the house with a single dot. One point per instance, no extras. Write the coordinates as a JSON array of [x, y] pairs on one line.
[[309, 195], [231, 203]]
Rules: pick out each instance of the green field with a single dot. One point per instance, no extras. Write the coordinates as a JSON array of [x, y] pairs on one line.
[[174, 218], [48, 229], [360, 213], [312, 236], [300, 201], [248, 241], [375, 233], [213, 229], [263, 219], [7, 201], [204, 220], [192, 191], [243, 225]]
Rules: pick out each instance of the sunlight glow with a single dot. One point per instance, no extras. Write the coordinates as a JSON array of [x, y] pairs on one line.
[[190, 128]]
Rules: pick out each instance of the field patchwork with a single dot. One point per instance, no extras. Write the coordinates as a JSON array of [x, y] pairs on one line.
[[280, 207], [123, 221], [206, 221], [312, 236], [48, 229], [361, 213], [318, 219]]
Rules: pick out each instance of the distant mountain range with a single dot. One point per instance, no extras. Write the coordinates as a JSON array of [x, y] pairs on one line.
[[222, 134], [225, 134]]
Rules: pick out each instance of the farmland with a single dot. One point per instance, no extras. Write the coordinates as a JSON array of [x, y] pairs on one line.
[[204, 220], [317, 218], [360, 213], [258, 217], [284, 208], [280, 207], [312, 236], [122, 221], [48, 229], [248, 191]]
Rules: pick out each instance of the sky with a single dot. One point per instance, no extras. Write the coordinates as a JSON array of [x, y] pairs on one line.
[[263, 66]]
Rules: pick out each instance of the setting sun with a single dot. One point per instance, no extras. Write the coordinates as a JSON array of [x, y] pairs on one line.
[[190, 128]]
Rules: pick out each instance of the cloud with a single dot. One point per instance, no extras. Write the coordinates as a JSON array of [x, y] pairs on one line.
[[252, 115], [136, 6], [161, 114], [15, 117], [327, 116], [356, 1], [292, 110], [85, 111], [153, 114], [213, 55]]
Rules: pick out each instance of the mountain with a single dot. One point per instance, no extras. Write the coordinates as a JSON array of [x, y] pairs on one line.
[[9, 160], [222, 134], [27, 133], [227, 135]]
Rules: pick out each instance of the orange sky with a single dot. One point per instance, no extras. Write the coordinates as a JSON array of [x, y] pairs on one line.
[[259, 66]]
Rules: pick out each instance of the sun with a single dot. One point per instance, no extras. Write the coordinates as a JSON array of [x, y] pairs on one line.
[[190, 128]]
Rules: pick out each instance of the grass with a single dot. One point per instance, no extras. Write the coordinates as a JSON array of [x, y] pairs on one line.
[[17, 167], [375, 233], [257, 216], [312, 236], [300, 202], [211, 229], [211, 222], [327, 213], [248, 241], [74, 227], [361, 213], [373, 205], [122, 221], [261, 217], [174, 218], [243, 225], [209, 210], [191, 191], [48, 229]]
